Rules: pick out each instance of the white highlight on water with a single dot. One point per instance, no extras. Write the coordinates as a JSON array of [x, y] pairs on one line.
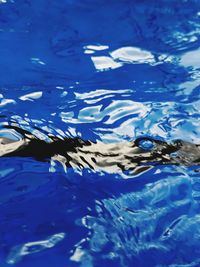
[[33, 247]]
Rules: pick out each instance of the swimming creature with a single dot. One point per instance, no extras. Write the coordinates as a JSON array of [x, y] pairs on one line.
[[135, 157]]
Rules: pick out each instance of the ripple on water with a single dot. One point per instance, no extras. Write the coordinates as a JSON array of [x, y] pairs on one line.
[[153, 221]]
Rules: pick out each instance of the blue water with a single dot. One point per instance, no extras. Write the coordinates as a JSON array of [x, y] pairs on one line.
[[109, 71]]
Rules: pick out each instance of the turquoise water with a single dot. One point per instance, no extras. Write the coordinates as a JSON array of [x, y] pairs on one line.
[[109, 71]]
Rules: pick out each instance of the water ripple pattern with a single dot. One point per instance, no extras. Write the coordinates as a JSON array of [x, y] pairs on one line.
[[105, 71]]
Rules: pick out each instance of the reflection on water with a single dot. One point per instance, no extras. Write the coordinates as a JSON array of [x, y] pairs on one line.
[[121, 56], [33, 247], [101, 71]]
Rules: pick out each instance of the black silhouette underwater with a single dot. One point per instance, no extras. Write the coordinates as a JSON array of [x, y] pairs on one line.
[[135, 157]]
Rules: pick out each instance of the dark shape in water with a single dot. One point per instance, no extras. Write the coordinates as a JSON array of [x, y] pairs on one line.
[[135, 157]]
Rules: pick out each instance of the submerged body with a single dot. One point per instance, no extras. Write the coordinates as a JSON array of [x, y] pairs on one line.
[[134, 157]]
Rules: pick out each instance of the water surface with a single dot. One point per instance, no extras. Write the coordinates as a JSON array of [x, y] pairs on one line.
[[109, 71]]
